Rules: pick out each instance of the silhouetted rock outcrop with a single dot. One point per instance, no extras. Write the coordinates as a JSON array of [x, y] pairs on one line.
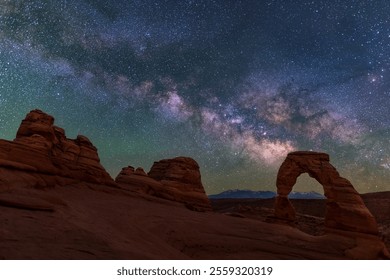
[[176, 179], [42, 156]]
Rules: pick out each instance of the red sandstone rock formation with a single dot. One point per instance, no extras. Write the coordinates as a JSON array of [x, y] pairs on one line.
[[42, 156], [176, 179], [345, 209], [182, 181], [138, 181]]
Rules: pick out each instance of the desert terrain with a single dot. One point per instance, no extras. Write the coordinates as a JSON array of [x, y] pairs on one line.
[[310, 212], [58, 202], [94, 222]]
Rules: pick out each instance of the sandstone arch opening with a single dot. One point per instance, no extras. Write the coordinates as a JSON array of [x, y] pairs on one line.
[[345, 209], [305, 184], [310, 208]]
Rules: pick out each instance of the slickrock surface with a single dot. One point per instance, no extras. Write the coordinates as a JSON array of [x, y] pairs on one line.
[[310, 215], [41, 156], [115, 223]]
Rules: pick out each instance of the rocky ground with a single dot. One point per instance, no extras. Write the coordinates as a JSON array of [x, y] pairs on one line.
[[310, 212], [88, 221]]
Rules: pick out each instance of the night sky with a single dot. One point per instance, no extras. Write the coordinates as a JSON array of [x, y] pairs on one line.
[[234, 84]]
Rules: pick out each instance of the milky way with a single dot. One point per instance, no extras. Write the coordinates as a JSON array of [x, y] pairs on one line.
[[234, 84]]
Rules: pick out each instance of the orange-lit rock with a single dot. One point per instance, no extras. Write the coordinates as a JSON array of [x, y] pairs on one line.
[[42, 156]]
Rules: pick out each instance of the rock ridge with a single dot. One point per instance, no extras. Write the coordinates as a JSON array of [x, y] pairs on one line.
[[177, 179], [42, 156]]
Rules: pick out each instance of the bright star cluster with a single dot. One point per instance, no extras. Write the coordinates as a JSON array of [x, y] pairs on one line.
[[234, 84]]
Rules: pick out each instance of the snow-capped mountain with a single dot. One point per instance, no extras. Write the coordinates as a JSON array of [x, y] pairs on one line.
[[264, 194]]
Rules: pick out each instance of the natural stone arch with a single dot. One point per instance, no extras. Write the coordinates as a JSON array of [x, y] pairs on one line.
[[345, 209]]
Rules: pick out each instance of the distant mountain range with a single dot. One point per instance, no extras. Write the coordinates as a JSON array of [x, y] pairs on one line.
[[264, 194]]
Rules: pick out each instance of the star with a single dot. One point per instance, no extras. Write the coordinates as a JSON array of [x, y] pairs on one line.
[[234, 84]]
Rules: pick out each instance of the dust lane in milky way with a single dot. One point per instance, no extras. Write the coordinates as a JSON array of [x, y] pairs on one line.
[[234, 84]]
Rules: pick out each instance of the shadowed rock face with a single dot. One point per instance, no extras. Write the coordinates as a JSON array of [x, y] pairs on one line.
[[176, 179], [181, 171], [138, 181], [345, 209], [182, 181], [42, 156]]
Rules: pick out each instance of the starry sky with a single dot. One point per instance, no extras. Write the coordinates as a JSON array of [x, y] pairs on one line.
[[234, 84]]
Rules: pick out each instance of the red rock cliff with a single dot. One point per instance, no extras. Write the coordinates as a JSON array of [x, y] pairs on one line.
[[176, 179], [42, 156]]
